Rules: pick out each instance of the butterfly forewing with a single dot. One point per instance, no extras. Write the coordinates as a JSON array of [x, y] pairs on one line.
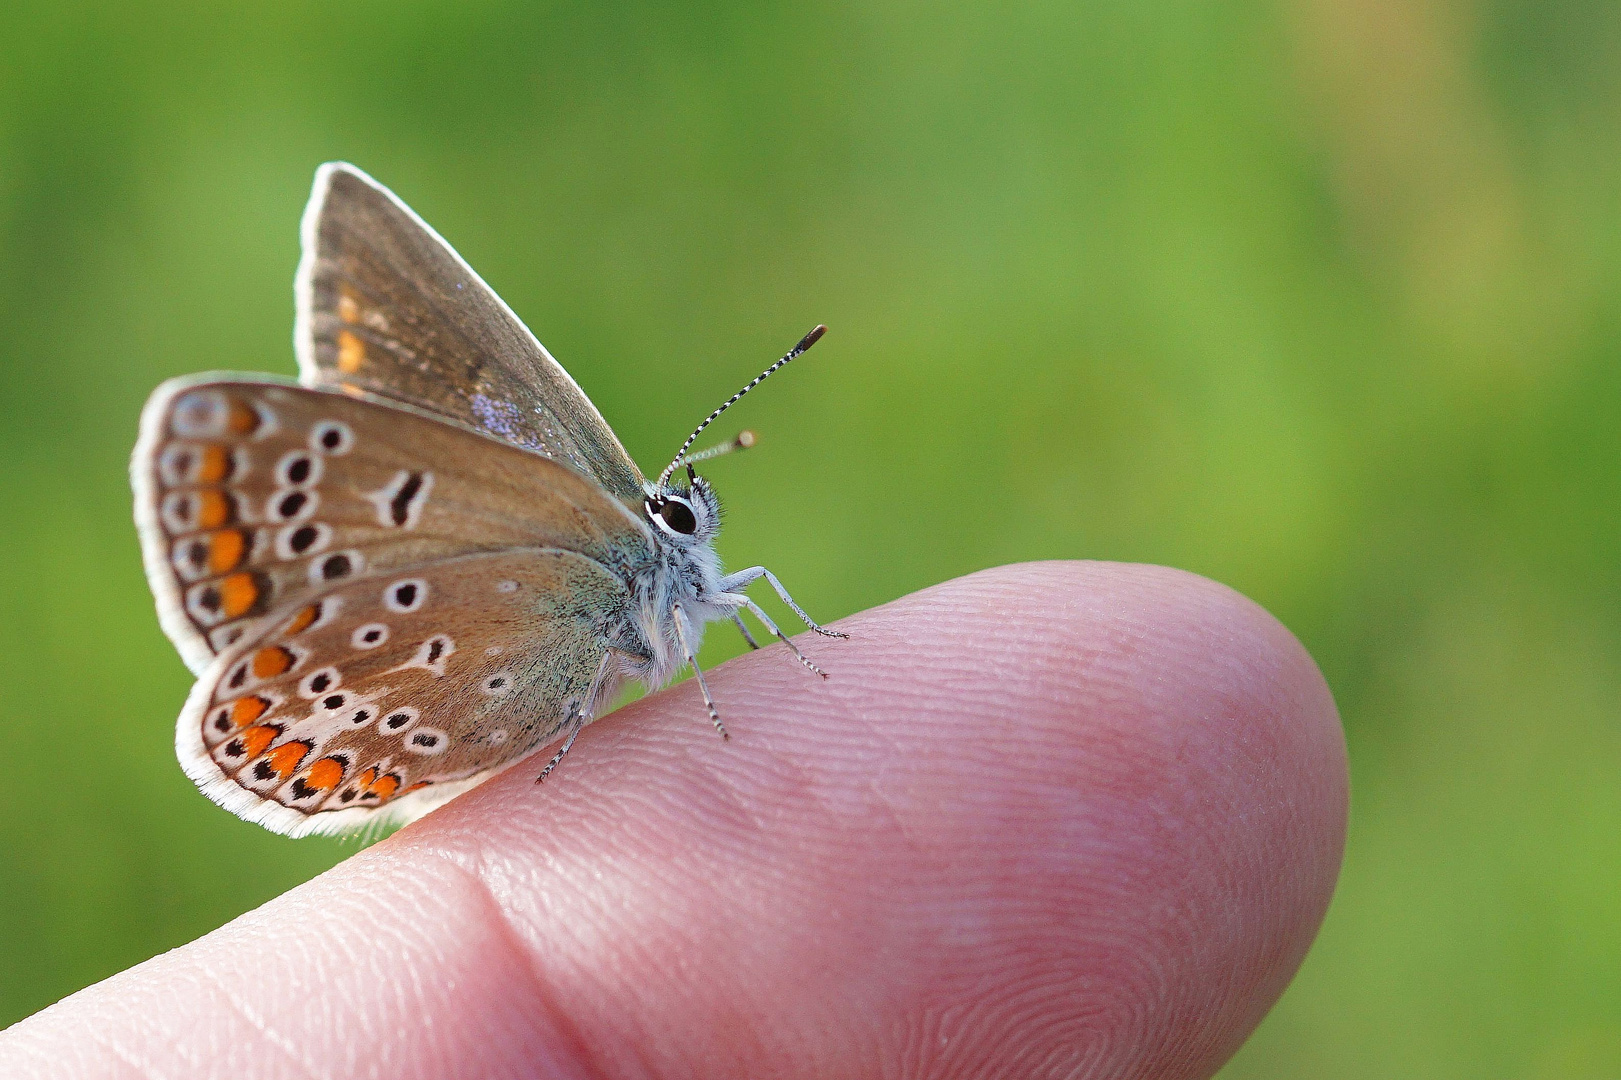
[[386, 306], [255, 495], [385, 696]]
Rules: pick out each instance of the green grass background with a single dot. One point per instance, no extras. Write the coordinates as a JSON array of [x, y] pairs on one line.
[[1320, 298]]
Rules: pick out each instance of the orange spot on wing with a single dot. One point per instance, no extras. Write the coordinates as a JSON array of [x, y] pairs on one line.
[[384, 788], [226, 550], [418, 786], [215, 466], [301, 622], [348, 308], [268, 663], [286, 758], [256, 739], [214, 508], [351, 352], [238, 594], [325, 774], [242, 419], [246, 710]]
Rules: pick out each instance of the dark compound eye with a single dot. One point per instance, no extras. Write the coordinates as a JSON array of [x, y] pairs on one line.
[[679, 516]]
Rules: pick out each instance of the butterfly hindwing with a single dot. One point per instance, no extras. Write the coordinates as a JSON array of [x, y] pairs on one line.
[[386, 306], [387, 695], [254, 494]]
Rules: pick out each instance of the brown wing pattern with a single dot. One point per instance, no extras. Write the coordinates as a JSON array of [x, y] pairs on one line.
[[379, 699], [254, 495], [386, 306]]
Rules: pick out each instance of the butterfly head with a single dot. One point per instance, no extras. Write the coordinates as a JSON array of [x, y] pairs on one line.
[[686, 516]]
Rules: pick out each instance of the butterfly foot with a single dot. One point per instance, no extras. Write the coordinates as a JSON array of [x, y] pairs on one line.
[[576, 723], [825, 632], [547, 771], [810, 665]]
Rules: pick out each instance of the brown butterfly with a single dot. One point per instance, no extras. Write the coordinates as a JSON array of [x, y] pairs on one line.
[[424, 560]]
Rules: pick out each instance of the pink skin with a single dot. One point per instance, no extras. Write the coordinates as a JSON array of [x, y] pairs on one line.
[[1061, 819]]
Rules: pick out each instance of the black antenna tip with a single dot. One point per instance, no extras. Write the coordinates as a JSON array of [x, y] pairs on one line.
[[810, 339]]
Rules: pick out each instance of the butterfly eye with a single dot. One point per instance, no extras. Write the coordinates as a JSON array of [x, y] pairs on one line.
[[674, 515]]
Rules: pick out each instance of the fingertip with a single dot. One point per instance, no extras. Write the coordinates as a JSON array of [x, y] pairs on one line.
[[1129, 780]]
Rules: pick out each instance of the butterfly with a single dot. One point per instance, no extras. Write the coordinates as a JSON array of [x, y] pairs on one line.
[[424, 560]]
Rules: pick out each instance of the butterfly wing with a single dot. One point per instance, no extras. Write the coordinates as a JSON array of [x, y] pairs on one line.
[[253, 495], [358, 708], [386, 306]]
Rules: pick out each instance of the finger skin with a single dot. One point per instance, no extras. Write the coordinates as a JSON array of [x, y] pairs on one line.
[[1060, 819]]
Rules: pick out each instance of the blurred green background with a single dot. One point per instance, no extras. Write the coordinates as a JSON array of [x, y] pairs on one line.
[[1319, 298]]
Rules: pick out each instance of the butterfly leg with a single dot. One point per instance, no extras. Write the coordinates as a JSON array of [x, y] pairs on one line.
[[765, 620], [744, 630], [683, 630], [578, 714], [576, 724], [743, 578]]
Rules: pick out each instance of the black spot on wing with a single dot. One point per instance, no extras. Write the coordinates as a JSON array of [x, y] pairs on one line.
[[399, 507]]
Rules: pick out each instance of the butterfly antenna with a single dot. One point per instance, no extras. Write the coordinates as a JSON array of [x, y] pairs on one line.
[[680, 455], [744, 440]]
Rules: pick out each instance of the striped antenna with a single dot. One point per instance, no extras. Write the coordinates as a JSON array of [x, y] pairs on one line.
[[680, 455], [744, 440]]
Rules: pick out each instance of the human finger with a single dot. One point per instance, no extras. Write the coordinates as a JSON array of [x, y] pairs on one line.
[[1054, 819]]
